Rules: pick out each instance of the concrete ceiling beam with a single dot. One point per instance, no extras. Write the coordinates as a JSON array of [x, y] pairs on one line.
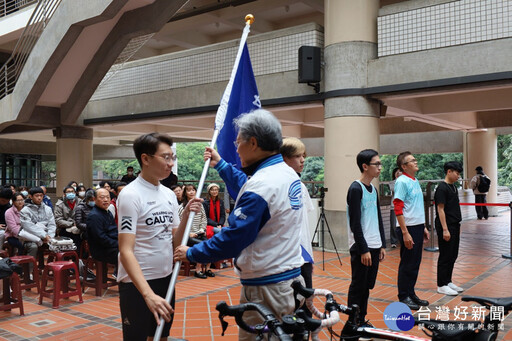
[[495, 99], [138, 22], [60, 36]]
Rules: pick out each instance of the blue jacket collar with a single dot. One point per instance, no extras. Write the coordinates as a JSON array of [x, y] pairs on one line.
[[263, 163]]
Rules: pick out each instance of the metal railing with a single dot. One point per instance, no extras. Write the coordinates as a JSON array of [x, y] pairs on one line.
[[131, 49], [10, 6], [40, 17]]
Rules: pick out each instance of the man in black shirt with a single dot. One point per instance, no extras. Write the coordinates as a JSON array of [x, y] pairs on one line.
[[447, 223], [128, 177], [169, 181]]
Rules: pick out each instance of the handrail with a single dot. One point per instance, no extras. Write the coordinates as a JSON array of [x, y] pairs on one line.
[[10, 6], [40, 17], [133, 46]]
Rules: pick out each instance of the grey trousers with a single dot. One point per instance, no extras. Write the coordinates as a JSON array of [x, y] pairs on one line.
[[277, 297]]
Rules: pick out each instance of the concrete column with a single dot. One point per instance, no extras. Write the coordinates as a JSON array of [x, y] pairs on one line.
[[74, 156], [481, 149], [351, 122]]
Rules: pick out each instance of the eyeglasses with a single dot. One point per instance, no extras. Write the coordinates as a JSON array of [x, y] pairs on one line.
[[377, 164], [19, 200], [413, 160], [167, 157]]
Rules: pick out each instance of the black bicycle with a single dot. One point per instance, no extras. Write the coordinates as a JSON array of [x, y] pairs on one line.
[[436, 330], [298, 325], [352, 330]]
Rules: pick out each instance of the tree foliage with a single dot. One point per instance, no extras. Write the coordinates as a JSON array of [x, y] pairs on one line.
[[505, 160], [191, 163], [313, 169], [114, 169]]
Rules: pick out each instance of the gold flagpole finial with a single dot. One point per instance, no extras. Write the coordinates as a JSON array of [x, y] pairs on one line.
[[249, 19]]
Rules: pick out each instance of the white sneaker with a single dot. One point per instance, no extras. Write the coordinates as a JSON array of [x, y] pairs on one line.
[[446, 290], [454, 287]]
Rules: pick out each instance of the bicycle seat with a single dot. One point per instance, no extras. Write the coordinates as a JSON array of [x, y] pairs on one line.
[[462, 330], [505, 302]]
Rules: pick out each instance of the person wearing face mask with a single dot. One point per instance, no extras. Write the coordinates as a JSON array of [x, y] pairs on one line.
[[128, 177], [82, 211], [65, 216], [24, 191], [73, 184], [46, 200], [81, 191]]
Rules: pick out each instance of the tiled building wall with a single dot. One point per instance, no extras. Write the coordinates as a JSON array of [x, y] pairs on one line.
[[279, 54], [448, 24]]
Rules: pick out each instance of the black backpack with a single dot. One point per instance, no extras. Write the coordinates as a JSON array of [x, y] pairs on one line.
[[485, 183]]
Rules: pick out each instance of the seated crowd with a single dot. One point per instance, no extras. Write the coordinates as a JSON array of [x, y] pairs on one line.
[[29, 219]]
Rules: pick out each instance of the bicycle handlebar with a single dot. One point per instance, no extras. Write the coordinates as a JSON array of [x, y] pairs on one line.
[[292, 324], [271, 324], [330, 304]]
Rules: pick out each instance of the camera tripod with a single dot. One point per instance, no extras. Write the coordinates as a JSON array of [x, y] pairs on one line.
[[322, 222]]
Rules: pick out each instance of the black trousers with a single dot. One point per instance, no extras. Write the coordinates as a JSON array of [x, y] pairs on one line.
[[410, 261], [138, 321], [306, 271], [109, 255], [481, 211], [363, 280], [448, 253], [393, 239]]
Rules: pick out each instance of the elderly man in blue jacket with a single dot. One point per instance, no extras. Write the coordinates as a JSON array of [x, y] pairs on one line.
[[262, 234]]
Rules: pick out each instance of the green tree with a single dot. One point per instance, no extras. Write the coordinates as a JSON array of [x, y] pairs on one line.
[[114, 169], [505, 160], [191, 162], [313, 169], [505, 168]]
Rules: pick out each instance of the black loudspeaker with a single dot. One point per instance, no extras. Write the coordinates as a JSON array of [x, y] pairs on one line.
[[309, 64]]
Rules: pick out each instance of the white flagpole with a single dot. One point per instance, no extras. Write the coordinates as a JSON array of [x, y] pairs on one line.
[[219, 123]]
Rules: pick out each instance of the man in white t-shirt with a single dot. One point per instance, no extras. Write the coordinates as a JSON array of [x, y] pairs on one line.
[[149, 230]]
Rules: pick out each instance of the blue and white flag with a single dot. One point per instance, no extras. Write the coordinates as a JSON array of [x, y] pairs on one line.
[[243, 99]]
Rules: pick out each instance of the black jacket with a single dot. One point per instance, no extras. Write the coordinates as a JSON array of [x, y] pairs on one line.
[[101, 233], [81, 213], [212, 222]]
